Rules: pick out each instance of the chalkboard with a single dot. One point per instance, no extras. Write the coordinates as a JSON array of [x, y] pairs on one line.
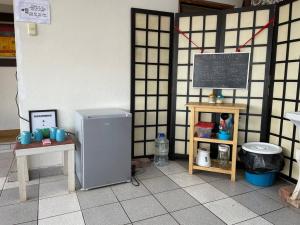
[[221, 70]]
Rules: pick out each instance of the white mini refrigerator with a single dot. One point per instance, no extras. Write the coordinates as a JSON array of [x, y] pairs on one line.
[[103, 147]]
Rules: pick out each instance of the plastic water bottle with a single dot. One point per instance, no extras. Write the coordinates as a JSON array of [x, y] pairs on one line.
[[161, 155]]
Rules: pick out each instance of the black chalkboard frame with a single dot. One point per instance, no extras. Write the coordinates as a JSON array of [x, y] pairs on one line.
[[226, 86]]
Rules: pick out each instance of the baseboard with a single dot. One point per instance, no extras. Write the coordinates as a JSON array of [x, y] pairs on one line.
[[8, 136]]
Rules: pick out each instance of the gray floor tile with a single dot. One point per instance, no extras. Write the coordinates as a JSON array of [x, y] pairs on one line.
[[272, 191], [183, 163], [230, 211], [231, 188], [255, 221], [54, 188], [18, 213], [258, 203], [111, 214], [29, 223], [172, 167], [12, 176], [148, 172], [51, 171], [176, 200], [7, 155], [195, 216], [5, 163], [13, 167], [2, 182], [243, 181], [58, 205], [11, 196], [283, 216], [160, 184], [4, 146], [142, 208], [74, 218], [4, 172], [184, 179], [205, 193], [128, 191], [209, 177], [44, 180], [15, 184], [159, 220], [96, 197]]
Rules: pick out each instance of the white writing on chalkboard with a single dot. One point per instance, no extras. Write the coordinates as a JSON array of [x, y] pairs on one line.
[[221, 70]]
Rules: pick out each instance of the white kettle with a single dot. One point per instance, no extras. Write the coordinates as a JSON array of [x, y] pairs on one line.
[[203, 158]]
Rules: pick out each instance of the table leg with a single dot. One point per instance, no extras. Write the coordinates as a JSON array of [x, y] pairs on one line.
[[21, 166], [71, 170], [66, 162], [26, 169]]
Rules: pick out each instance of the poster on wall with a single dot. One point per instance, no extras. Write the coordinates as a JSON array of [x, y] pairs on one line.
[[34, 11], [7, 41]]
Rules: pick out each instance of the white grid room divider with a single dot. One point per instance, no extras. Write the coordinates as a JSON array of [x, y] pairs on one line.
[[152, 35], [217, 33], [286, 88], [203, 31]]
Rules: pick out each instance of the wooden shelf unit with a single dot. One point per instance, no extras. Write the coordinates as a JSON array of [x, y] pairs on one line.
[[195, 108]]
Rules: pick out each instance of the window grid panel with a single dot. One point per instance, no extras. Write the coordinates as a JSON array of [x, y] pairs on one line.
[[184, 91], [285, 133], [151, 85]]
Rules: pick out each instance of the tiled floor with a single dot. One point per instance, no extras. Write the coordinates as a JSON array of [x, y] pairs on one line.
[[166, 196]]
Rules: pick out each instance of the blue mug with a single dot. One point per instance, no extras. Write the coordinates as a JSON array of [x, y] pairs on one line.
[[38, 135], [60, 135], [25, 137], [53, 133]]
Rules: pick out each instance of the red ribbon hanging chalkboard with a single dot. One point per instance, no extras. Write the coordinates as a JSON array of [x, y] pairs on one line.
[[271, 21], [238, 49]]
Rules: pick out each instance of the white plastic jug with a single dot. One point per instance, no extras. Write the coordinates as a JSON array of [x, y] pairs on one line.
[[203, 158]]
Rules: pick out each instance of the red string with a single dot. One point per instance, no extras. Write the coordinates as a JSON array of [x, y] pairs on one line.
[[187, 37], [237, 49], [257, 33]]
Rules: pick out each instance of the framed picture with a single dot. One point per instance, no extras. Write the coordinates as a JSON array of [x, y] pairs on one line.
[[42, 119]]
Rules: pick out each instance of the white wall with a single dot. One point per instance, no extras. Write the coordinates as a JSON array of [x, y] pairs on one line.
[[81, 60], [8, 110]]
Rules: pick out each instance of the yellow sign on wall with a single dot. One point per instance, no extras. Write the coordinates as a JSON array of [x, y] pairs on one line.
[[7, 47]]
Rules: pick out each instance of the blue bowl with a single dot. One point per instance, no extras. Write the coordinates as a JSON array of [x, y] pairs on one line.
[[261, 179], [224, 136]]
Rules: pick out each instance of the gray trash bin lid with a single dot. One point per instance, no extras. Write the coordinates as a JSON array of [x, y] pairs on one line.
[[262, 148]]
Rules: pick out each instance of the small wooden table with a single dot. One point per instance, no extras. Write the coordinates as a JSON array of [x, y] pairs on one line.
[[22, 151], [197, 107]]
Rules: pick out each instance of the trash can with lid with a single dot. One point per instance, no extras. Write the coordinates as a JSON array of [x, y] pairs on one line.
[[262, 162]]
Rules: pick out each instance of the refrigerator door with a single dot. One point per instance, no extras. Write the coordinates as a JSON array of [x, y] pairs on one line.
[[107, 151]]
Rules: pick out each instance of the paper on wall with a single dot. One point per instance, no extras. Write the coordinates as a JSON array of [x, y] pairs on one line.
[[35, 11]]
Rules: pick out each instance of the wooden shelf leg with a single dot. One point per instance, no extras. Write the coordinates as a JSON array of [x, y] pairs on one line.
[[234, 146], [191, 143]]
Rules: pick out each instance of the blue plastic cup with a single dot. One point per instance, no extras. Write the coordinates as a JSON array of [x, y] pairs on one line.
[[53, 133], [24, 138], [60, 135], [38, 135]]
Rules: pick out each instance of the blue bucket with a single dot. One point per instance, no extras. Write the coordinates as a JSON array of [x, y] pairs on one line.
[[261, 179]]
